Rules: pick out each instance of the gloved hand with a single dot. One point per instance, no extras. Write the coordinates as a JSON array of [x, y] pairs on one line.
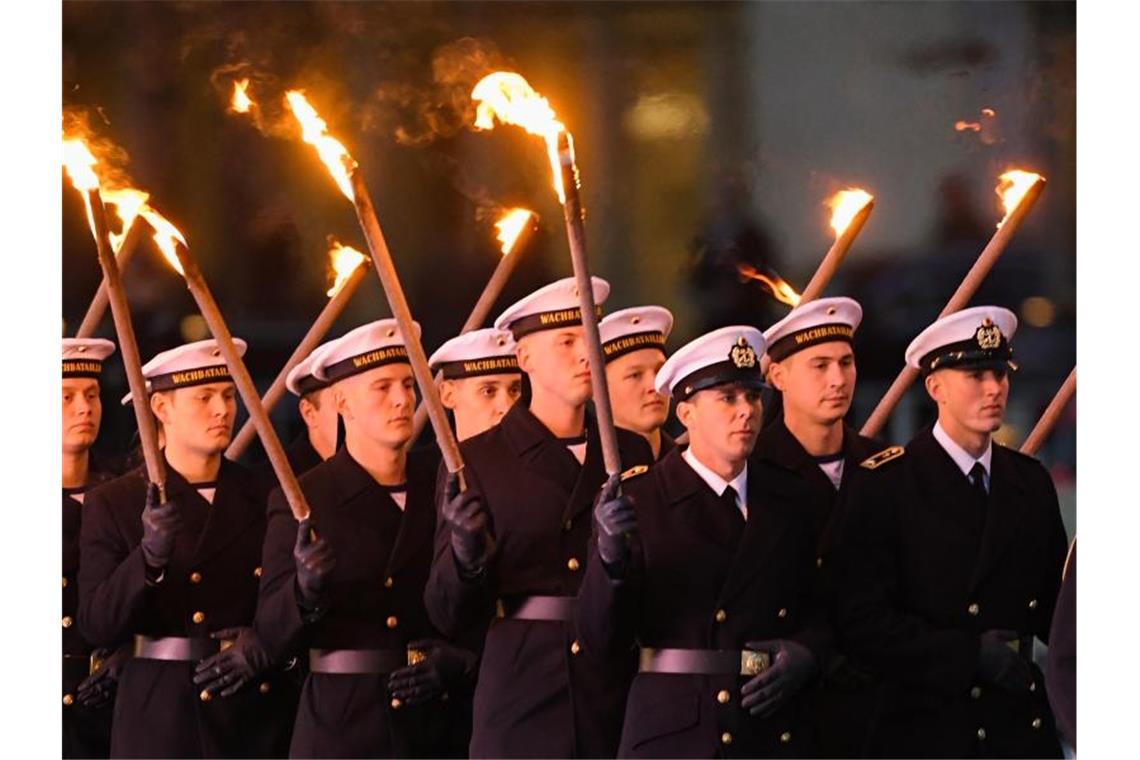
[[793, 665], [471, 541], [161, 522], [98, 689], [446, 667], [1000, 665], [315, 561], [615, 517], [230, 669]]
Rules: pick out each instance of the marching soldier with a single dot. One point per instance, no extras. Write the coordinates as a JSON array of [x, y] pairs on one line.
[[708, 563], [178, 573], [812, 365], [951, 561], [344, 588], [633, 345], [512, 550], [319, 441], [481, 379], [89, 677]]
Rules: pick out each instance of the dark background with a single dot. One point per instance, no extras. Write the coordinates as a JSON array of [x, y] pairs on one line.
[[707, 134]]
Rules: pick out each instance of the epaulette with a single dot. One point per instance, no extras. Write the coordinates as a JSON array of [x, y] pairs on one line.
[[633, 472], [877, 460]]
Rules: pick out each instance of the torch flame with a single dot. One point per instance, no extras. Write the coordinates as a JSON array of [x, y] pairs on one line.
[[1012, 187], [166, 236], [845, 205], [315, 132], [127, 202], [962, 126], [79, 162], [511, 225], [776, 285], [344, 260], [508, 97], [241, 102]]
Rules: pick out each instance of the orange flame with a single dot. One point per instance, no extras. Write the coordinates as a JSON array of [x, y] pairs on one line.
[[1012, 187], [845, 205], [511, 225], [776, 285], [241, 102], [314, 131], [344, 260], [79, 163], [127, 202], [166, 236], [508, 97], [989, 112], [962, 126]]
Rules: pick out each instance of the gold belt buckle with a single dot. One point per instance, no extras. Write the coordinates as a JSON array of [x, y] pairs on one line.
[[416, 656], [95, 663], [754, 663]]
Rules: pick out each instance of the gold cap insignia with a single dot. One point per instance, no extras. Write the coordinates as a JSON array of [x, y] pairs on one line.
[[988, 335], [743, 356]]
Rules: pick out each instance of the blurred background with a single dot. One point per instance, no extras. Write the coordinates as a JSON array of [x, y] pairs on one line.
[[708, 135]]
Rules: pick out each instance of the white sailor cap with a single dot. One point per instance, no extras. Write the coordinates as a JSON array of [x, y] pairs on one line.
[[196, 363], [977, 337], [367, 347], [820, 321], [633, 329], [550, 307], [480, 352], [83, 357], [728, 355], [300, 379]]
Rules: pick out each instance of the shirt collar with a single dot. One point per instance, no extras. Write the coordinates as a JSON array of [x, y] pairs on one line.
[[964, 459], [716, 482]]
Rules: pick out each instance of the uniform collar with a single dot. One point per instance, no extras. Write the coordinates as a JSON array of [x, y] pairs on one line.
[[964, 459], [716, 482]]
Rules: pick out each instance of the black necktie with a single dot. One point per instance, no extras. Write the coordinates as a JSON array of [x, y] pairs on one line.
[[978, 480], [729, 499]]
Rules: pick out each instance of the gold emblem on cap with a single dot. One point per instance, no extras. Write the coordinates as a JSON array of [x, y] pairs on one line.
[[81, 349], [743, 356], [988, 335]]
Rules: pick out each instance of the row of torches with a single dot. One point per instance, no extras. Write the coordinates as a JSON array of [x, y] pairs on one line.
[[505, 97]]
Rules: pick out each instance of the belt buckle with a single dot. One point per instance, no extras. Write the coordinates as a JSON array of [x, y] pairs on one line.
[[416, 656], [95, 663], [754, 663]]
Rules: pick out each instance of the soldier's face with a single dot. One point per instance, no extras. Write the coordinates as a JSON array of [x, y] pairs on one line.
[[818, 382], [82, 413], [480, 402], [723, 421], [636, 405], [557, 364], [971, 400], [199, 418], [378, 404], [318, 410]]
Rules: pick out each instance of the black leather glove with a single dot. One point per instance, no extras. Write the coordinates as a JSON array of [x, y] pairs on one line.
[[471, 540], [793, 665], [446, 667], [98, 689], [161, 523], [315, 561], [1000, 665], [230, 669], [615, 518]]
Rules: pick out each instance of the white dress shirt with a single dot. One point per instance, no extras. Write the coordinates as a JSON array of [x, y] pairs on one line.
[[964, 459], [719, 484]]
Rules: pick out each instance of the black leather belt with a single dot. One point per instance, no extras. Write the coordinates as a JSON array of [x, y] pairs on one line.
[[178, 648], [709, 662], [550, 608], [359, 661]]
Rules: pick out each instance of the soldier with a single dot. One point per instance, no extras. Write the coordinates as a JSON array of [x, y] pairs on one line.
[[481, 379], [89, 677], [812, 365], [180, 576], [951, 561], [514, 547], [344, 588], [708, 563], [633, 344], [319, 440]]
